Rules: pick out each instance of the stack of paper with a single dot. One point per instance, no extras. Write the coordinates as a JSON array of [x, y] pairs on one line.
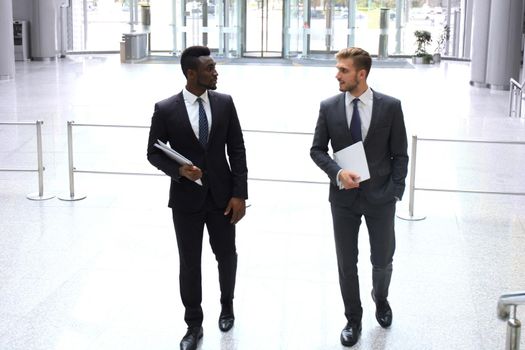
[[176, 156]]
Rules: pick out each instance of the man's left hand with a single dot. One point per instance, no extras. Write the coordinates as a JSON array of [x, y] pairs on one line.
[[237, 207]]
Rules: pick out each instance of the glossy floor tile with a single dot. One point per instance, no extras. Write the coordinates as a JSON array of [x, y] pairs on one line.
[[102, 273]]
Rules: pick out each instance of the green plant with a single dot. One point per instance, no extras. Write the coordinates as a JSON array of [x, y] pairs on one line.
[[443, 39], [423, 38]]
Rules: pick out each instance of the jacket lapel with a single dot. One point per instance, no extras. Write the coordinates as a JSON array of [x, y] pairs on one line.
[[341, 121], [181, 113], [214, 113], [376, 113]]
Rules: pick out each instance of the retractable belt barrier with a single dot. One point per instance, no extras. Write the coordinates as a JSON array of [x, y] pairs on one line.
[[412, 187], [507, 310], [40, 167], [73, 196], [515, 98]]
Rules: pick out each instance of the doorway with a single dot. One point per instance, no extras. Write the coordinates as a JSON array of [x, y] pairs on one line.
[[263, 28]]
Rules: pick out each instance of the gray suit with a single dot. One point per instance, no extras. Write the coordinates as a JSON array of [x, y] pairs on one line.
[[386, 152]]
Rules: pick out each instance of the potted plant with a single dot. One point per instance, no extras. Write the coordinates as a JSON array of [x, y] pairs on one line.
[[442, 42], [423, 38]]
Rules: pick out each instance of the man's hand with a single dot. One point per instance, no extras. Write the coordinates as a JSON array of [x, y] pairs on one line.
[[190, 172], [237, 206], [349, 179]]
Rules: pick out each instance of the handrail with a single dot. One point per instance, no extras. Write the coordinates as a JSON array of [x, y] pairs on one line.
[[506, 301], [72, 196], [507, 310], [515, 98], [40, 164], [412, 187]]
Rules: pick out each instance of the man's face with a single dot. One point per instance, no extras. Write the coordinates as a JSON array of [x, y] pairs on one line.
[[206, 73], [348, 77]]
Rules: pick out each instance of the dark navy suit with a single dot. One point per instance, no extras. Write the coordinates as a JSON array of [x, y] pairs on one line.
[[386, 153]]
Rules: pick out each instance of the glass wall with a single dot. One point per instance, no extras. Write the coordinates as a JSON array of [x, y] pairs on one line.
[[269, 28], [263, 28], [98, 24]]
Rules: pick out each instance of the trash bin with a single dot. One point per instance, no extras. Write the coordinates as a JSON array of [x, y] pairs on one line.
[[383, 36], [145, 14], [122, 52], [135, 46], [21, 40]]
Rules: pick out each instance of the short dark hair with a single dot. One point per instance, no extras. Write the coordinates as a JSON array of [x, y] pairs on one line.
[[360, 57], [190, 57]]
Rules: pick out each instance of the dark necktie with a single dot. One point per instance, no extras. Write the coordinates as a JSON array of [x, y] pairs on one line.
[[355, 124], [203, 124]]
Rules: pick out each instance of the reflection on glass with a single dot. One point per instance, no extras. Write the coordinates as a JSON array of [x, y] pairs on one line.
[[264, 25], [98, 25]]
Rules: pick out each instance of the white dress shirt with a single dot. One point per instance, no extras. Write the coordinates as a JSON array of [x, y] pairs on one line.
[[192, 106], [365, 112], [365, 109]]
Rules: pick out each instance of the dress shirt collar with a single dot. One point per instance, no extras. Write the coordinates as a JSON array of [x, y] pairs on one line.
[[366, 97], [191, 98]]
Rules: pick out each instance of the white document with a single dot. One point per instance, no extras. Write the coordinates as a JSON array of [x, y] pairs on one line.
[[176, 156], [353, 158]]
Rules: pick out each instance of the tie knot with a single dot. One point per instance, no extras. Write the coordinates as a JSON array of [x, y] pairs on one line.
[[355, 101]]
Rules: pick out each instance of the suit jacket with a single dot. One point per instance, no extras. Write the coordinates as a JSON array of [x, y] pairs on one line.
[[223, 178], [385, 148]]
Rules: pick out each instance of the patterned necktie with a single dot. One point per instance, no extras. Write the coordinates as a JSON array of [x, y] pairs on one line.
[[203, 124], [355, 124]]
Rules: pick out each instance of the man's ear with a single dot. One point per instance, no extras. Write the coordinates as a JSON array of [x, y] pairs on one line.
[[362, 74]]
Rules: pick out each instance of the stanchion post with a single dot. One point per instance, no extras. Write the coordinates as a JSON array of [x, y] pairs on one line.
[[412, 185], [513, 332], [511, 97], [40, 195], [71, 170], [519, 93]]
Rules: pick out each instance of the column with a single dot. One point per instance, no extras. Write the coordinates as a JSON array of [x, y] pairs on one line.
[[43, 30], [7, 46], [504, 45], [467, 36], [480, 35]]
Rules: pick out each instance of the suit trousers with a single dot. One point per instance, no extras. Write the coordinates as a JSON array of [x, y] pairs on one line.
[[189, 229], [380, 223]]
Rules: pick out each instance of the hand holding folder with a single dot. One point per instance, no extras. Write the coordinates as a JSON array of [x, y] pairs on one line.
[[176, 156], [353, 158]]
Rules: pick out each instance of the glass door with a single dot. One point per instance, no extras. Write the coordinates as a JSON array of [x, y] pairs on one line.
[[321, 25], [295, 26], [263, 29]]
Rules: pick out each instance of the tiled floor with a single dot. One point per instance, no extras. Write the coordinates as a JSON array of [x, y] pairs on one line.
[[101, 273]]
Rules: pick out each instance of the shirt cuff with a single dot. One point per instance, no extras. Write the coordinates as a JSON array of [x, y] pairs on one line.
[[339, 184]]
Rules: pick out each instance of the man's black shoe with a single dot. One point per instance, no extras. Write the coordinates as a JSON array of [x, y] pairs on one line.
[[191, 339], [350, 334], [226, 319], [383, 312]]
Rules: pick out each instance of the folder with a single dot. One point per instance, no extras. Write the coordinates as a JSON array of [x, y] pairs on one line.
[[176, 156], [353, 158]]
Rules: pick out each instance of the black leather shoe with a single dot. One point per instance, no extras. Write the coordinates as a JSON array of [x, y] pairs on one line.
[[226, 319], [350, 334], [191, 339], [383, 312]]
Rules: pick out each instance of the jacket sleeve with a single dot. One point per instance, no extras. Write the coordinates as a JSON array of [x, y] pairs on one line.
[[319, 149], [398, 151], [237, 155], [158, 131]]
